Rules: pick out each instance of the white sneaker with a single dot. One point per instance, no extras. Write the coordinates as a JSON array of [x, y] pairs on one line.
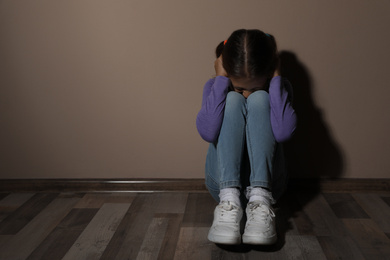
[[260, 225], [226, 224]]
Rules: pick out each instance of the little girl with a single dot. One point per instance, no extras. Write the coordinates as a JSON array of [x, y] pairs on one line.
[[246, 115]]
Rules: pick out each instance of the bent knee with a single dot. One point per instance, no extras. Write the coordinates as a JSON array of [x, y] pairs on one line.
[[235, 100], [260, 95], [258, 99]]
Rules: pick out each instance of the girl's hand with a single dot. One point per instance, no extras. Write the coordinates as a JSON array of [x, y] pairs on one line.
[[219, 70]]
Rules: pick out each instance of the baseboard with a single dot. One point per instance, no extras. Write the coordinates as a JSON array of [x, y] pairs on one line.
[[342, 185], [101, 185], [162, 185]]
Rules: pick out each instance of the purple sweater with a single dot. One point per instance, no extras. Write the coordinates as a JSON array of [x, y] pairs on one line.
[[210, 116]]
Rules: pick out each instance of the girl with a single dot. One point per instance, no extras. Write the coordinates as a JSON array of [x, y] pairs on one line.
[[246, 114]]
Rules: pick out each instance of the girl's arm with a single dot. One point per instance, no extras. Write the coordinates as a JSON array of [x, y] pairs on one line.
[[210, 116], [283, 117]]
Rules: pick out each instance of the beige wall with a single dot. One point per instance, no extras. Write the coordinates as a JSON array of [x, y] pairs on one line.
[[111, 89]]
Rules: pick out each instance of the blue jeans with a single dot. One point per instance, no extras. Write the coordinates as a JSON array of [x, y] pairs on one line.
[[246, 153]]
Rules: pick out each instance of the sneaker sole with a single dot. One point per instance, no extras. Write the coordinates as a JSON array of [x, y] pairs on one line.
[[255, 240], [224, 240]]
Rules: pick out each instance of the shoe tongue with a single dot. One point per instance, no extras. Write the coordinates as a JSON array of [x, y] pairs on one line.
[[227, 205]]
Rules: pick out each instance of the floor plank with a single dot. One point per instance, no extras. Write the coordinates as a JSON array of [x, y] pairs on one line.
[[322, 217], [15, 221], [199, 210], [127, 241], [169, 202], [340, 247], [386, 199], [376, 208], [14, 199], [96, 200], [36, 230], [292, 205], [168, 246], [3, 195], [370, 239], [154, 237], [309, 246], [4, 239], [303, 223], [285, 212], [96, 236], [344, 205], [10, 202], [192, 244], [297, 247], [59, 241]]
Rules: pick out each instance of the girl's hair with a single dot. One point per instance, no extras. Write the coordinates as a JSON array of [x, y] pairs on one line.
[[219, 49], [249, 54]]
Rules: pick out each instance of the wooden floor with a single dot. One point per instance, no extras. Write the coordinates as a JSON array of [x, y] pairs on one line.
[[174, 225]]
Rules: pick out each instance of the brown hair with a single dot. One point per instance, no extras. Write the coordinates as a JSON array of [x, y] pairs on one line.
[[249, 54]]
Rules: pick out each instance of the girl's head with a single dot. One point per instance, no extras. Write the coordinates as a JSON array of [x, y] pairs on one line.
[[249, 56]]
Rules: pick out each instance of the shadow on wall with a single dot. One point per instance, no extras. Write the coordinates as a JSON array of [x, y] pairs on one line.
[[312, 152]]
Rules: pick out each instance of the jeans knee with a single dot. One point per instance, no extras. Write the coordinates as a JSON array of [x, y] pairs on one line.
[[258, 100], [234, 101]]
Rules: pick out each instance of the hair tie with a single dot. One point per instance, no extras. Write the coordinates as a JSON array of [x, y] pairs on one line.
[[268, 35], [224, 42]]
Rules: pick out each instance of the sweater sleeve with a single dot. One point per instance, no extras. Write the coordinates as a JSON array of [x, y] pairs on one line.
[[210, 116], [283, 116]]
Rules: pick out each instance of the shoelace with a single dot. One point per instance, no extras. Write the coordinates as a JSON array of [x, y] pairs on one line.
[[228, 213], [261, 215]]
